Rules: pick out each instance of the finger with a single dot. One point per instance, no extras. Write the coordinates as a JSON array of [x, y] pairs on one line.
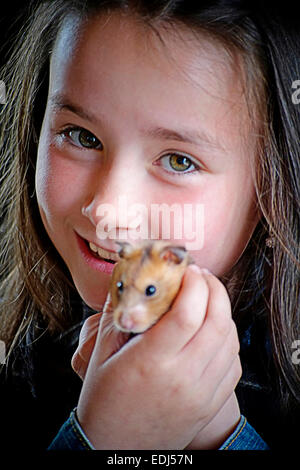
[[179, 325], [108, 303], [86, 343], [79, 365], [208, 379], [228, 384], [88, 334], [219, 366], [216, 325], [109, 339], [213, 396]]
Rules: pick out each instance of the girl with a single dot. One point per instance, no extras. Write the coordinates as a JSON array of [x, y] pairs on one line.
[[164, 102]]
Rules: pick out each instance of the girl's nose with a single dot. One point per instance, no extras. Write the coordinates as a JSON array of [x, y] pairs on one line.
[[121, 212], [120, 204]]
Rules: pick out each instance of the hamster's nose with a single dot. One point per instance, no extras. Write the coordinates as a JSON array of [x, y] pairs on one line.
[[126, 322]]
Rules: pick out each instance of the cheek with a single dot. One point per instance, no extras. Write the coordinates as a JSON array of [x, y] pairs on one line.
[[227, 223], [60, 184], [228, 230], [206, 209]]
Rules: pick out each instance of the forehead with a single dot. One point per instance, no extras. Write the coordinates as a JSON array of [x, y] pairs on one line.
[[128, 37], [184, 73]]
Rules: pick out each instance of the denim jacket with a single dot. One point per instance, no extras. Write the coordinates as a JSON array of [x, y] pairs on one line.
[[72, 437]]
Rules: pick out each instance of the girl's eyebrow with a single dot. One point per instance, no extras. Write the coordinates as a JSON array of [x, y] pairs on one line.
[[195, 137], [60, 102]]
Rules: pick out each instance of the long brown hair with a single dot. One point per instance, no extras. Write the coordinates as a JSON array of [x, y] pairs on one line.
[[34, 279]]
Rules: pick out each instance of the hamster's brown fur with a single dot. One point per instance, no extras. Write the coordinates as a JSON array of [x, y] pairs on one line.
[[151, 274]]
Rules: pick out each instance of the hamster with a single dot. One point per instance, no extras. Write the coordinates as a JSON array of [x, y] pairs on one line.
[[145, 282]]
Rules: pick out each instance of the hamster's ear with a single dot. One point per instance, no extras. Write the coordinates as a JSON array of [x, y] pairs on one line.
[[174, 254], [125, 249]]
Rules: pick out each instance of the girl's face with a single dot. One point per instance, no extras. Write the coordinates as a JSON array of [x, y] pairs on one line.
[[153, 122]]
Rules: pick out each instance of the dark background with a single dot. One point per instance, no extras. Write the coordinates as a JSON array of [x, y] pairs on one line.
[[11, 19]]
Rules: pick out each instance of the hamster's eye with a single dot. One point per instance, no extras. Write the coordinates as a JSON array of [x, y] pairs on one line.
[[150, 290], [120, 286]]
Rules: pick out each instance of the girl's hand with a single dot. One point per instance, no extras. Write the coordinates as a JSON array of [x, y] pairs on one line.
[[86, 343], [88, 335], [170, 387]]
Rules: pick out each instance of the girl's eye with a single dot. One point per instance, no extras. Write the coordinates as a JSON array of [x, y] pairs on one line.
[[82, 138], [179, 163]]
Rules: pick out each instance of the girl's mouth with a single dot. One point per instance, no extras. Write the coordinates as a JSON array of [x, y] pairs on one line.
[[97, 258], [101, 253]]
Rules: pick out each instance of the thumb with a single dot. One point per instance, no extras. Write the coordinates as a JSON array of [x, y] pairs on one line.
[[109, 339], [86, 343]]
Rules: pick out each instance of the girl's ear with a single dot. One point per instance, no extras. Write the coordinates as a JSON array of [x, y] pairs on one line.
[[174, 254], [125, 249]]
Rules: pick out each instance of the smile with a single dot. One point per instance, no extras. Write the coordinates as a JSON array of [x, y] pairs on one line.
[[109, 256], [96, 257]]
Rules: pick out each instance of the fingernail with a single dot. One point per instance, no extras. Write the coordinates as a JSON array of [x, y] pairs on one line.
[[195, 268], [205, 271]]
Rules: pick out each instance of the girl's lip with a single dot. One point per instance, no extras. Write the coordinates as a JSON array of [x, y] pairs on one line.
[[97, 264]]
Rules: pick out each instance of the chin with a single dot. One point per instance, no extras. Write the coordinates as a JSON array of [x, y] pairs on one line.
[[93, 301]]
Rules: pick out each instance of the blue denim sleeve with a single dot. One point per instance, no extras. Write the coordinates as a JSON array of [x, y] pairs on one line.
[[244, 437], [71, 436]]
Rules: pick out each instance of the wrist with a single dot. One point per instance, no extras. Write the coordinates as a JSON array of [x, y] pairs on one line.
[[215, 433]]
